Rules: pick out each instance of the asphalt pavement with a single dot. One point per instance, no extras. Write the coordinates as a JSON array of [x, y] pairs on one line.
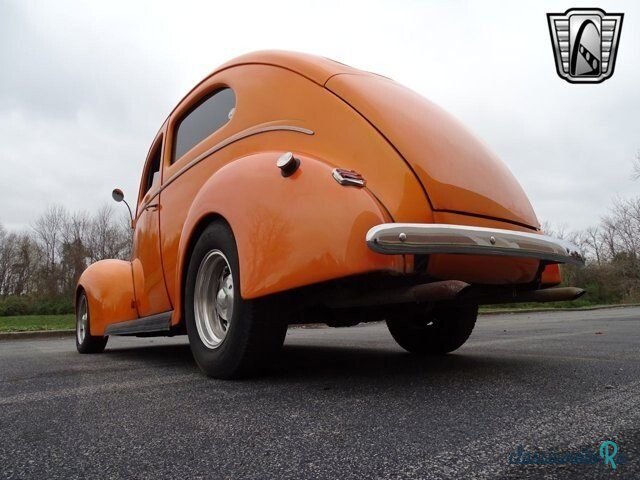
[[337, 403]]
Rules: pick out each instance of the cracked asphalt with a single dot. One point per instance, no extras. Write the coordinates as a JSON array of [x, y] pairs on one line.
[[337, 403]]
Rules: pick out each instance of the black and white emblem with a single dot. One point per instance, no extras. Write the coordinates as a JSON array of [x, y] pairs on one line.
[[585, 42]]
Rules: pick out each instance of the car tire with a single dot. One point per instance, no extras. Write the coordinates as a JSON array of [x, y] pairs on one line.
[[230, 337], [439, 330], [85, 342]]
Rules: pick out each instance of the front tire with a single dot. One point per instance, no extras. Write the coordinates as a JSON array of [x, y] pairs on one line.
[[437, 331], [85, 342], [229, 337]]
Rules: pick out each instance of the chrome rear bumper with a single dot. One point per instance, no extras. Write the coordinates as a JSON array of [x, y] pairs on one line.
[[419, 238]]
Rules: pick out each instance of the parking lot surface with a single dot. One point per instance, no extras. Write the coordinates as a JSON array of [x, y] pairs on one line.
[[338, 403]]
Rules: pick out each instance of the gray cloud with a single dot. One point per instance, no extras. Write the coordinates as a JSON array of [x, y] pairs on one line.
[[85, 86]]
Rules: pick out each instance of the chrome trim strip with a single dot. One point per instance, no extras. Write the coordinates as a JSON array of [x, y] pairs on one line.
[[417, 238], [160, 322], [249, 132]]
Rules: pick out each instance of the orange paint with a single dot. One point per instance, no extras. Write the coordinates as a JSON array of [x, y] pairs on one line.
[[420, 166], [286, 238], [109, 288], [459, 173], [551, 275]]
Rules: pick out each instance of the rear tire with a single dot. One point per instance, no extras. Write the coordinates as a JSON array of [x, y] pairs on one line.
[[434, 332], [85, 342], [229, 337]]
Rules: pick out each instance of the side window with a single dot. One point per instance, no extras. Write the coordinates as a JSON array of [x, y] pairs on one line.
[[152, 174], [204, 119]]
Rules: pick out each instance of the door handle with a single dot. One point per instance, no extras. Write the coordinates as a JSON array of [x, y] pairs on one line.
[[152, 207]]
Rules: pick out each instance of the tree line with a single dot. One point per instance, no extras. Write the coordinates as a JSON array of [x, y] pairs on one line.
[[39, 267], [612, 251], [612, 248]]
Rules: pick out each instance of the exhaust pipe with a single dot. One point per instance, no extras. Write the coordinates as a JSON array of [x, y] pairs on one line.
[[455, 290], [558, 294], [428, 292]]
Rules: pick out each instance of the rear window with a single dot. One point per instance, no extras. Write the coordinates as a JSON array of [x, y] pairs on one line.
[[204, 119]]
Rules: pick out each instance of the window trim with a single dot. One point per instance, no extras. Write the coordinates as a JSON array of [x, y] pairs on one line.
[[178, 121], [157, 146]]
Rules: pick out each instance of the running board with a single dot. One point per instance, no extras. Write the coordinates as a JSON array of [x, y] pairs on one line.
[[159, 323]]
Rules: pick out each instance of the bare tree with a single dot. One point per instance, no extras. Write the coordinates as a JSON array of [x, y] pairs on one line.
[[592, 240], [626, 214], [558, 231], [48, 261], [5, 260], [107, 239], [126, 235], [77, 227], [608, 229], [74, 254], [24, 268], [49, 230], [49, 233]]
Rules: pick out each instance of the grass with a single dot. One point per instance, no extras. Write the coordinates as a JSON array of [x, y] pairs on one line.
[[27, 323], [579, 304]]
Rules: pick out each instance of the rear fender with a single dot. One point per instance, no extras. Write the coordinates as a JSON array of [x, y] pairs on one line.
[[290, 232], [108, 285]]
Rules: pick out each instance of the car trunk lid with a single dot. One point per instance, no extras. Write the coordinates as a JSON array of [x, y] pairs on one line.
[[457, 171]]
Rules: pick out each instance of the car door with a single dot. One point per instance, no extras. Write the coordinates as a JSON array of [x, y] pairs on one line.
[[148, 274]]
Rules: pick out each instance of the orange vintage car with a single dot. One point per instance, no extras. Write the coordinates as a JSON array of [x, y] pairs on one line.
[[286, 188]]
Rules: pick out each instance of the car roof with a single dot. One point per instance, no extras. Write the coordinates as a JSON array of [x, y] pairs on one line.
[[315, 68]]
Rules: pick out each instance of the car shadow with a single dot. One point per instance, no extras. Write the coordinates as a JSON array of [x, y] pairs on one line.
[[349, 363], [344, 363], [153, 354]]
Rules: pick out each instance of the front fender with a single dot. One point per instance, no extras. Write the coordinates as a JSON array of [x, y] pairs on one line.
[[108, 285], [292, 231]]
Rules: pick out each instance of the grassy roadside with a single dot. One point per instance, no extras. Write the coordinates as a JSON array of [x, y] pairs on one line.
[[490, 310], [28, 323], [550, 307], [515, 307]]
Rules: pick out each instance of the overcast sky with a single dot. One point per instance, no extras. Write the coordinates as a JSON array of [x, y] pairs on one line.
[[84, 87]]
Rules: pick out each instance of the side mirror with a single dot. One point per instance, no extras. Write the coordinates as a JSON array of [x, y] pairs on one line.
[[118, 196]]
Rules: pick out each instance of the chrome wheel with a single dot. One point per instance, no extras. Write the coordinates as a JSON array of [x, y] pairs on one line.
[[82, 319], [213, 299]]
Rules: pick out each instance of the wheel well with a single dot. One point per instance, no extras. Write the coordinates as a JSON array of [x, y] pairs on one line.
[[195, 234], [79, 290]]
